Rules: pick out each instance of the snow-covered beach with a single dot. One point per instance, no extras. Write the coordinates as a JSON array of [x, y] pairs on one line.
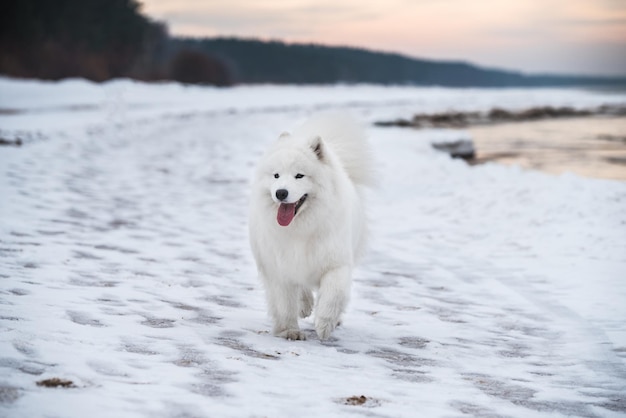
[[125, 269]]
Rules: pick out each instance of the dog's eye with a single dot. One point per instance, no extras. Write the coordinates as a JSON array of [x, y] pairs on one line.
[[276, 175], [299, 176]]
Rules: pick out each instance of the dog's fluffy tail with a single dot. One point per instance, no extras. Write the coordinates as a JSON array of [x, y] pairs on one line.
[[348, 141]]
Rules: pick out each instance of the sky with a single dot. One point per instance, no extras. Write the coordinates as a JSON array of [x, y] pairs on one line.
[[533, 36]]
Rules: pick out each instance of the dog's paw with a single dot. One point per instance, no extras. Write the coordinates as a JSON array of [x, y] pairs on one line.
[[324, 327], [292, 334]]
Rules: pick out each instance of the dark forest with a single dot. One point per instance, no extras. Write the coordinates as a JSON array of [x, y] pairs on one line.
[[104, 39]]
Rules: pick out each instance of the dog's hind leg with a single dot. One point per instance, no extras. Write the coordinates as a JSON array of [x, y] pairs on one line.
[[306, 302], [283, 302], [333, 297]]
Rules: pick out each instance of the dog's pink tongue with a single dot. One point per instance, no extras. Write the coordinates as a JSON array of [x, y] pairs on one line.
[[286, 212]]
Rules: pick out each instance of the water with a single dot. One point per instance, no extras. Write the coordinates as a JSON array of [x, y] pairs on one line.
[[590, 146]]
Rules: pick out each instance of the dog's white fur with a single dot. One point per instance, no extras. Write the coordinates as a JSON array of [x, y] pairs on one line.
[[318, 249]]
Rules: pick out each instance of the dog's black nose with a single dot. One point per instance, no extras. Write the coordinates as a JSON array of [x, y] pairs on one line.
[[281, 194]]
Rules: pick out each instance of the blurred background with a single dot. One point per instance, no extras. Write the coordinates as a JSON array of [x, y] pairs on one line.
[[423, 42]]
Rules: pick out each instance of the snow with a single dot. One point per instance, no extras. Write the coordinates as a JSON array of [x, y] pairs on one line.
[[125, 268]]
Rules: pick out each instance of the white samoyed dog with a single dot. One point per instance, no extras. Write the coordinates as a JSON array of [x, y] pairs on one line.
[[307, 221]]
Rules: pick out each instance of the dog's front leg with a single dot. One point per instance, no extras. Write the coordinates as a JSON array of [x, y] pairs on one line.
[[333, 297], [284, 301], [306, 302]]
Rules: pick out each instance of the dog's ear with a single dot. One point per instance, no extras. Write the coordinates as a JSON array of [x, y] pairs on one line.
[[317, 145], [284, 135]]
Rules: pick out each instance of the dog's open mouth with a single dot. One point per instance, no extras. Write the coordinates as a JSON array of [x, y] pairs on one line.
[[287, 211]]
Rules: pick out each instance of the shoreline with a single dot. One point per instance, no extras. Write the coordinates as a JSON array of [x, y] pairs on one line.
[[588, 146], [586, 141]]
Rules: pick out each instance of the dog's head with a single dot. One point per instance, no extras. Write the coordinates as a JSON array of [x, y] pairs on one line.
[[290, 174]]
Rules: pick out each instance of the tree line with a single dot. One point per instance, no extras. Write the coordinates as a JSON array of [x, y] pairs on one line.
[[255, 61], [97, 40], [103, 39]]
